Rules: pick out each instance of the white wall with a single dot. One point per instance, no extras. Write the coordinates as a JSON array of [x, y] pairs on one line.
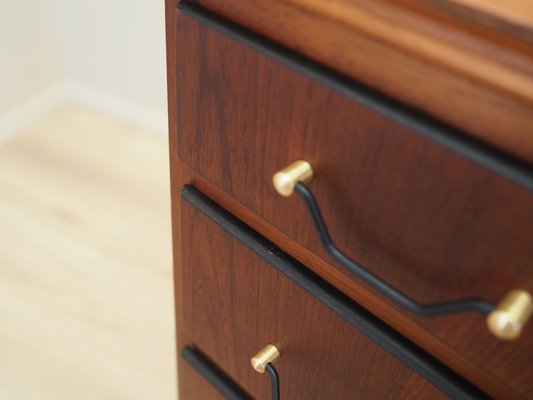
[[115, 48], [28, 55], [108, 55], [29, 64]]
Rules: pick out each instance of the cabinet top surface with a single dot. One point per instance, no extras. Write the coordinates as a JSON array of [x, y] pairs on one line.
[[514, 12]]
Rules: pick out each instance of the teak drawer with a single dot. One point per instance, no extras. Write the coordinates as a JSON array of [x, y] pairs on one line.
[[426, 220], [237, 298]]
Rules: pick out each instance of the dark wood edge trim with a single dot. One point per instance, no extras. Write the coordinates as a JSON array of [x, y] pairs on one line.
[[213, 374], [402, 348], [481, 153]]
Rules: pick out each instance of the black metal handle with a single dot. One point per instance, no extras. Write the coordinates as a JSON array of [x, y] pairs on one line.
[[404, 350], [473, 304], [262, 362], [505, 321], [274, 377]]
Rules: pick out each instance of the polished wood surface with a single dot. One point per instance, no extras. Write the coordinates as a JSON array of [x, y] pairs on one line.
[[516, 14], [234, 303], [429, 222], [195, 387], [432, 62], [491, 114], [494, 57], [370, 300]]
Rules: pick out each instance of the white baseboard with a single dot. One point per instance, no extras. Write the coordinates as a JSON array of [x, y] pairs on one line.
[[113, 106], [72, 91], [16, 119]]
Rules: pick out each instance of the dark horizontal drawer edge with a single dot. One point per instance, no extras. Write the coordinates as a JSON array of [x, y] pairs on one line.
[[213, 374], [401, 347], [452, 138]]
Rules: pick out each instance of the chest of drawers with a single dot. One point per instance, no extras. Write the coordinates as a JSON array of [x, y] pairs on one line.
[[422, 172]]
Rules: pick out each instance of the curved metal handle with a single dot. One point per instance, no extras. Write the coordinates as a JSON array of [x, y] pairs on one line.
[[262, 362], [505, 320]]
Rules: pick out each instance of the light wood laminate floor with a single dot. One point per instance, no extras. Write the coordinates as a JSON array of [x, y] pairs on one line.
[[86, 303]]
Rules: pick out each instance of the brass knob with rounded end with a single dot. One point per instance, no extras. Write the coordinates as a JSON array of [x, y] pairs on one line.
[[507, 320], [262, 362], [266, 355], [286, 179]]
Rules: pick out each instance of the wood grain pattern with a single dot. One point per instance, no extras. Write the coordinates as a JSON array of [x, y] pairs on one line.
[[497, 116], [514, 13], [369, 300], [482, 54], [235, 303], [434, 225], [195, 387], [212, 374]]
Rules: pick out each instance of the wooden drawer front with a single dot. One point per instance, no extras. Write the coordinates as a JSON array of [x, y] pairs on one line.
[[429, 222], [234, 302], [196, 387], [221, 385]]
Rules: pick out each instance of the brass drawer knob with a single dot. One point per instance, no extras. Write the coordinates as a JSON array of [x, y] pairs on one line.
[[262, 362], [511, 314], [504, 320], [266, 355], [286, 179]]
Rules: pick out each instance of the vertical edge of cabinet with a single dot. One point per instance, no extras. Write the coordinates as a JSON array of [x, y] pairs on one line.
[[170, 38], [402, 348]]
